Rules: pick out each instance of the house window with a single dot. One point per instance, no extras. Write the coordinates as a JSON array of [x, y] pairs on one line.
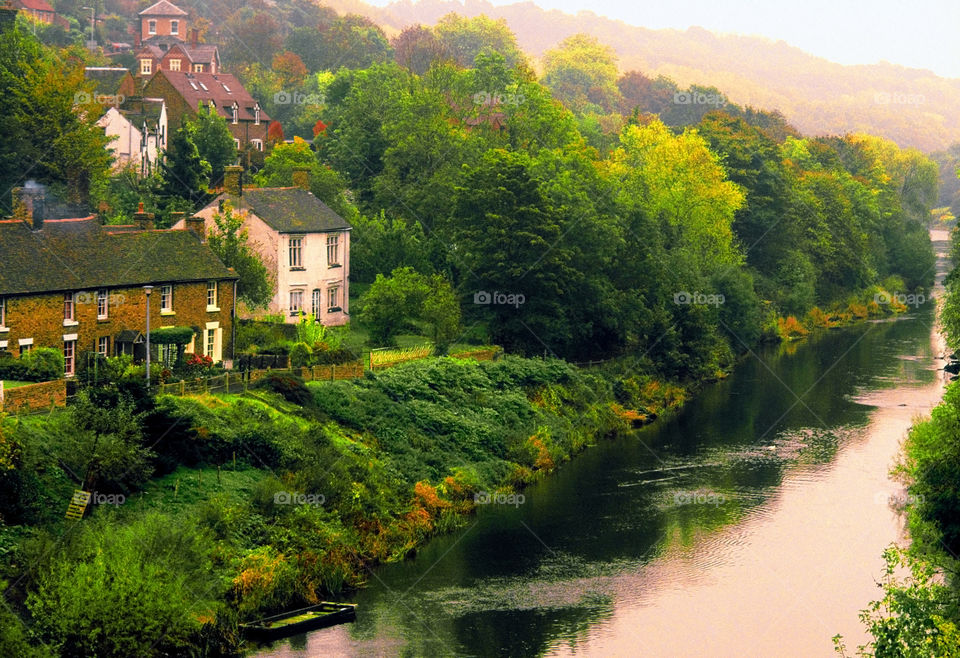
[[333, 253], [296, 302], [151, 27], [212, 296], [3, 312], [68, 306], [102, 305], [103, 345], [198, 68], [296, 252], [236, 112], [236, 143], [210, 344], [26, 345], [174, 64], [166, 299], [146, 66], [257, 144], [333, 298], [69, 350], [174, 29], [256, 116], [315, 302]]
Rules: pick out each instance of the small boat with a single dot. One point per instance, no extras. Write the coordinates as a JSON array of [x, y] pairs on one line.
[[299, 621]]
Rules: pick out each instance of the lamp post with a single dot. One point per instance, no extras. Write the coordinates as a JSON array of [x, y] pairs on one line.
[[148, 290]]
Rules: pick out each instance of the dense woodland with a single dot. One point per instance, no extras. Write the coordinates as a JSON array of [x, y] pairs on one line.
[[638, 224]]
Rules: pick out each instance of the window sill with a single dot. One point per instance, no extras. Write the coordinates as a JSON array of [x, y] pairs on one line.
[[166, 313], [71, 323], [335, 309], [334, 265], [103, 318], [298, 269], [4, 330], [213, 309]]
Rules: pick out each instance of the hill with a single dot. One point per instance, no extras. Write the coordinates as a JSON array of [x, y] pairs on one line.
[[913, 107]]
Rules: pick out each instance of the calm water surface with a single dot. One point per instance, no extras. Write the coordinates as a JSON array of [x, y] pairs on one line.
[[749, 524]]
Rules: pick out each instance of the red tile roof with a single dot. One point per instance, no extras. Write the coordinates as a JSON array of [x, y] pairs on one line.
[[162, 8], [34, 5], [221, 88]]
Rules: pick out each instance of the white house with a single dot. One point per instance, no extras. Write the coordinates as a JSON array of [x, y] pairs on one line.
[[138, 129], [303, 243]]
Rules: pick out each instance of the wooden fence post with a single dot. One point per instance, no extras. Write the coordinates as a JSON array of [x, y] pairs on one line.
[[183, 385]]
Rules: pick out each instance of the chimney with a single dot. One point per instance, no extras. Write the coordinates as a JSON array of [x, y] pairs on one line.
[[196, 226], [301, 178], [143, 220], [231, 179], [194, 36], [28, 205]]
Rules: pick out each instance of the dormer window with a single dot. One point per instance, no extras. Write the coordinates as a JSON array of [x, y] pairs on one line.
[[151, 27], [203, 86], [146, 66], [256, 114], [174, 27], [236, 112]]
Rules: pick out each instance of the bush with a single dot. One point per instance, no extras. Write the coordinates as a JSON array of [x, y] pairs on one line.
[[300, 355], [44, 363], [334, 356], [292, 388]]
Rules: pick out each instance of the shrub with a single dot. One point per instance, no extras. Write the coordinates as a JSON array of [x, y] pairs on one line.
[[292, 388], [334, 356], [300, 355], [44, 363]]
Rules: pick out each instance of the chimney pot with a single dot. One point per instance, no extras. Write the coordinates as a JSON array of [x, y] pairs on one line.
[[301, 178], [231, 179]]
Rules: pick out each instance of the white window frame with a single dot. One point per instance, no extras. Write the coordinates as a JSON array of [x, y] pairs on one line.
[[174, 26], [151, 26], [333, 250], [257, 143], [236, 143], [212, 294], [235, 110], [333, 297], [69, 357], [198, 68], [213, 333], [296, 307], [103, 345], [103, 303], [295, 251], [3, 313], [175, 64], [146, 66], [69, 307], [316, 298], [256, 119], [166, 299]]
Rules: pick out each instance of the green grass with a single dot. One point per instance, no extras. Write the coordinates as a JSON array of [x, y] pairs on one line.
[[12, 383], [185, 489]]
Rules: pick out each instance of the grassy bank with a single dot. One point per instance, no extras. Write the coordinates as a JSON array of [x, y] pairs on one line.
[[225, 508]]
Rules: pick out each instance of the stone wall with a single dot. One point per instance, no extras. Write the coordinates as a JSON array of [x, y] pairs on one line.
[[33, 397]]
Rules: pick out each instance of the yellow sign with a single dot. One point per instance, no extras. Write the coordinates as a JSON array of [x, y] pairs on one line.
[[78, 504]]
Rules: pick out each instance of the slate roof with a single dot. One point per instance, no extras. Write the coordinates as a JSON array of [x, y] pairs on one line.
[[288, 209], [221, 88], [163, 8], [106, 78], [142, 109], [79, 254]]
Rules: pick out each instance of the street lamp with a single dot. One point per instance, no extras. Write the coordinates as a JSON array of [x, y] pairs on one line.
[[148, 290]]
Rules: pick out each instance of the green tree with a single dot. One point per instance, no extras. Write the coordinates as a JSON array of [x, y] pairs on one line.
[[230, 242], [391, 302], [582, 72], [185, 174], [214, 142], [325, 183], [465, 38]]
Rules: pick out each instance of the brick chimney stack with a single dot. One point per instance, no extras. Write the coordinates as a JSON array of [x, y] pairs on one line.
[[231, 179], [196, 226], [301, 178], [194, 36], [28, 206], [143, 220]]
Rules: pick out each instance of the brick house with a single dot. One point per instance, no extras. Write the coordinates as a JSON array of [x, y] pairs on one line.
[[38, 10], [77, 286], [162, 43], [184, 92], [303, 243]]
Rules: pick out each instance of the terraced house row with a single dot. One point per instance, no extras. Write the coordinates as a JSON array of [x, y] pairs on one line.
[[79, 286]]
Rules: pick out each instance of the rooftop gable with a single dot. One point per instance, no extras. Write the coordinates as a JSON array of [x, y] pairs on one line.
[[163, 8]]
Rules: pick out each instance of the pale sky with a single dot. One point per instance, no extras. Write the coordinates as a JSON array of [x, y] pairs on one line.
[[917, 33]]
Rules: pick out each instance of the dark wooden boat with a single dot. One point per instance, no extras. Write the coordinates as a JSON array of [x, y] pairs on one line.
[[299, 621]]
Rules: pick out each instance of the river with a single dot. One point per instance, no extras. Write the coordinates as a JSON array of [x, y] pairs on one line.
[[751, 523]]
